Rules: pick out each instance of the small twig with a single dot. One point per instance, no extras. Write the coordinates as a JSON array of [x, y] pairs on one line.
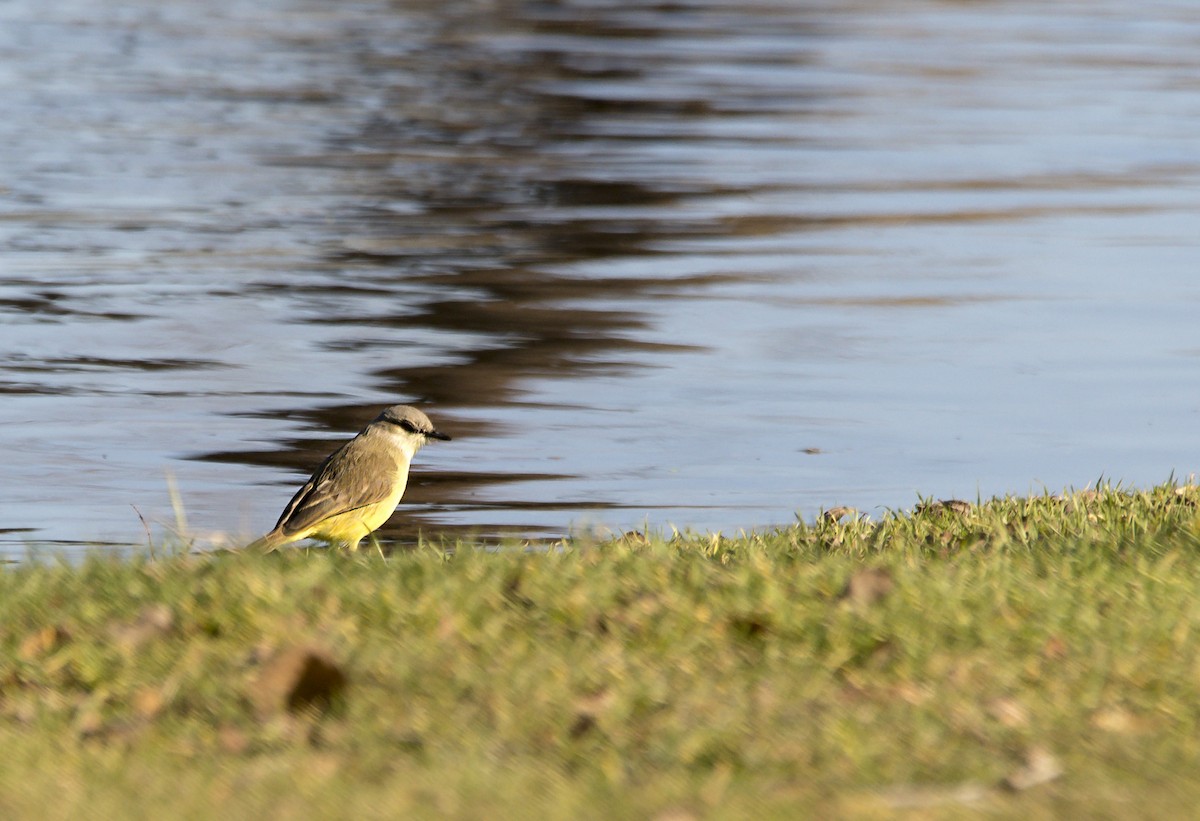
[[146, 527]]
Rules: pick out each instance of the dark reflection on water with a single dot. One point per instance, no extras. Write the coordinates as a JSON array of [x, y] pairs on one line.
[[698, 264], [489, 212]]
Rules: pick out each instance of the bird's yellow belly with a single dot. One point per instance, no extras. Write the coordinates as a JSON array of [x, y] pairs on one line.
[[353, 526]]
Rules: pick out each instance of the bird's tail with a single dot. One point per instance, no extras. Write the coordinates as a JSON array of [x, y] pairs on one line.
[[268, 542]]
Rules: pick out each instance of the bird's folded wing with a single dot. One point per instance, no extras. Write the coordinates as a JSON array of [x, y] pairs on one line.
[[337, 486]]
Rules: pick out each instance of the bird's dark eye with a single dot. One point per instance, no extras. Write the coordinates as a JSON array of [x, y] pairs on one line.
[[408, 426]]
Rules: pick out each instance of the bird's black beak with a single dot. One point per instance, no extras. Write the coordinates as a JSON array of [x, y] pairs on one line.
[[436, 434]]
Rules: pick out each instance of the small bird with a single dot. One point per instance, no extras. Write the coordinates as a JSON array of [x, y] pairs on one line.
[[358, 486]]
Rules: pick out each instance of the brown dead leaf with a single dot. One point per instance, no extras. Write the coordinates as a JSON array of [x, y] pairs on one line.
[[89, 723], [581, 725], [297, 679], [1040, 766], [588, 709], [447, 628], [914, 694], [232, 740], [596, 702], [42, 641], [1009, 712], [1055, 649], [154, 621], [1116, 720], [148, 702], [868, 586]]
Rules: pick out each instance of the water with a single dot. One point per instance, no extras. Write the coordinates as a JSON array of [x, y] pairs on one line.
[[697, 264]]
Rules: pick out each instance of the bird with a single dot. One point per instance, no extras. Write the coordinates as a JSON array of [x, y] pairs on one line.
[[358, 486]]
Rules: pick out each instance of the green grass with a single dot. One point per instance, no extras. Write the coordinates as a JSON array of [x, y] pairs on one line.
[[697, 677]]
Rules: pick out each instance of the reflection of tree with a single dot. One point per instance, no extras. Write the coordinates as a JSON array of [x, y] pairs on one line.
[[490, 186]]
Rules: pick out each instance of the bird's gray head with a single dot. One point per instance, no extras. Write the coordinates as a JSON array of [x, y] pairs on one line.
[[407, 421]]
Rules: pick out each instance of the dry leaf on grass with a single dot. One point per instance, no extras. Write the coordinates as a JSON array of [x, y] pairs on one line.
[[1040, 767], [296, 679], [868, 586]]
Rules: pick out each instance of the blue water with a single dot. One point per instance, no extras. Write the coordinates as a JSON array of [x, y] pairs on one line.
[[704, 265]]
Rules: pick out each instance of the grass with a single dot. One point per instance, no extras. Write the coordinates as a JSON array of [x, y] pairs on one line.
[[938, 664]]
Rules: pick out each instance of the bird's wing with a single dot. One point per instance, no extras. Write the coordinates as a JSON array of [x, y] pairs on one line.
[[345, 481]]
